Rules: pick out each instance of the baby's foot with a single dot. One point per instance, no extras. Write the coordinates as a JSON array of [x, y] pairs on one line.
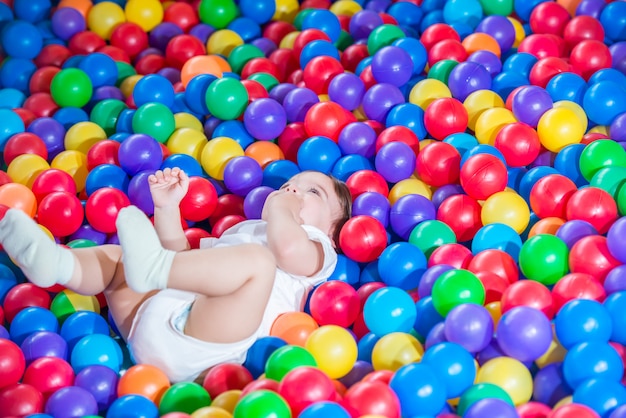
[[146, 263], [43, 261]]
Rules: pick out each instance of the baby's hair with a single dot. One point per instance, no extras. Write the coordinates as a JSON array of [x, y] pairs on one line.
[[345, 201]]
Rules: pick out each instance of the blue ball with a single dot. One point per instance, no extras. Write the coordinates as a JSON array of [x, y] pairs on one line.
[[410, 116], [406, 14], [615, 303], [415, 49], [370, 273], [236, 130], [100, 68], [277, 172], [365, 346], [318, 153], [16, 73], [106, 175], [566, 163], [30, 320], [347, 270], [259, 352], [507, 81], [523, 8], [427, 316], [482, 149], [261, 11], [11, 124], [431, 18], [153, 88], [497, 236], [195, 92], [592, 360], [462, 141], [96, 349], [21, 39], [324, 409], [601, 395], [613, 19], [70, 116], [324, 20], [453, 364], [185, 162], [80, 324], [402, 265], [7, 281], [603, 101], [246, 27], [11, 98], [389, 309], [139, 405], [350, 164], [567, 86], [317, 48], [520, 63], [420, 390], [469, 12], [531, 177]]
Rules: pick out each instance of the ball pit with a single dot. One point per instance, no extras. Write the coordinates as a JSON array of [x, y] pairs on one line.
[[482, 270]]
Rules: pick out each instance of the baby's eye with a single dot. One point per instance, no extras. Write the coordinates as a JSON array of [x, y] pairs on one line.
[[314, 191]]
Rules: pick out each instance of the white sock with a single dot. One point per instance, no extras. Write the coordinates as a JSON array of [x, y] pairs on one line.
[[146, 263], [43, 261]]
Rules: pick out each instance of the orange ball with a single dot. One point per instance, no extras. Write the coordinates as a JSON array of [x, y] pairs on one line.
[[481, 41], [144, 380], [294, 327], [202, 64], [547, 225], [18, 196], [264, 152], [82, 6]]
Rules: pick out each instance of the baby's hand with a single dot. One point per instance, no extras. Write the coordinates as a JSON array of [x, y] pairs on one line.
[[168, 187], [282, 202]]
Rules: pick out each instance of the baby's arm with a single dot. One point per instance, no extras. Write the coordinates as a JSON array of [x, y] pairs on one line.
[[295, 253], [168, 187]]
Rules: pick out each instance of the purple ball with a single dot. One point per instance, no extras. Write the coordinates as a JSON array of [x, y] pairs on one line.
[[171, 74], [500, 28], [107, 92], [491, 407], [617, 129], [572, 231], [469, 325], [298, 102], [395, 161], [549, 385], [467, 77], [279, 91], [44, 344], [393, 65], [487, 59], [360, 369], [254, 201], [101, 381], [265, 119], [86, 231], [444, 192], [408, 211], [372, 204], [363, 23], [266, 45], [524, 333], [379, 99], [618, 53], [619, 412], [51, 132], [436, 335], [242, 174], [490, 352], [162, 33], [139, 192], [71, 401], [530, 103], [614, 239], [615, 281], [139, 152], [429, 277], [358, 138], [67, 22], [591, 8], [346, 89], [4, 333], [202, 31]]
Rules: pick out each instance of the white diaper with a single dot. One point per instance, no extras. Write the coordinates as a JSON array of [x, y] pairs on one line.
[[157, 338]]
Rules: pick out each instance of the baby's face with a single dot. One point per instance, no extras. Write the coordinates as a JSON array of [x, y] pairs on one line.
[[320, 204]]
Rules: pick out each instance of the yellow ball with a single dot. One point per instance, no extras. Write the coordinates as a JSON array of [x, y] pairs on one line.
[[479, 101], [145, 13], [227, 400], [74, 163], [520, 33], [345, 7], [25, 168], [558, 128], [187, 141], [554, 354], [577, 109], [508, 208], [83, 135], [187, 120], [565, 401], [495, 311], [288, 40], [128, 85], [223, 41], [286, 10], [334, 349], [211, 412], [216, 153], [490, 122], [600, 129], [427, 90], [103, 17], [409, 186], [395, 350], [511, 375]]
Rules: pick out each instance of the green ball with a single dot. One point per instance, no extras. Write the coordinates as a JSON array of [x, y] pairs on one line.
[[286, 358], [262, 404], [620, 199], [154, 119], [456, 287], [185, 397], [241, 54], [226, 98], [441, 70], [382, 36], [497, 7], [297, 21], [81, 243], [267, 80], [610, 179], [105, 114], [124, 70], [431, 234], [544, 258], [480, 391], [71, 87], [601, 153], [344, 41], [218, 13]]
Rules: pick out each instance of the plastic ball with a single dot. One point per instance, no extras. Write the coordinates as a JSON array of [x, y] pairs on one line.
[[582, 360], [263, 402], [388, 310], [184, 397], [265, 119], [226, 98], [445, 116], [136, 403], [462, 213], [550, 194], [305, 386], [509, 374], [334, 303], [71, 400], [259, 352], [327, 119], [483, 175], [21, 39], [61, 213], [599, 154], [470, 325], [49, 374], [524, 333], [600, 212], [293, 327], [508, 208], [455, 287], [103, 206], [334, 350], [286, 358], [13, 363], [419, 389], [347, 90], [519, 144], [603, 101], [480, 391]]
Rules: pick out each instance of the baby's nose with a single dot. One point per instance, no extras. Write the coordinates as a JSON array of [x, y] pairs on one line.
[[292, 189]]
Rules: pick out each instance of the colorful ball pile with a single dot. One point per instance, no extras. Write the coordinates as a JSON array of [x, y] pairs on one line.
[[484, 142]]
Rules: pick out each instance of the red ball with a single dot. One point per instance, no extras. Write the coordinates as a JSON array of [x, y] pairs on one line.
[[285, 61], [577, 286], [528, 293], [363, 238], [260, 65], [224, 223], [353, 55], [366, 181], [573, 410], [181, 48], [497, 262], [53, 180], [52, 54], [290, 139], [24, 143], [103, 152], [550, 194], [366, 289], [540, 45], [276, 30], [453, 254], [149, 64], [327, 119], [546, 68], [260, 384], [519, 144], [227, 204], [21, 400], [483, 175], [130, 38], [42, 78], [194, 235], [438, 164], [438, 32], [182, 15], [398, 133], [305, 37], [61, 212], [49, 374], [590, 56], [364, 398], [593, 205], [461, 213], [533, 409], [116, 53], [549, 17], [102, 208], [255, 90], [24, 295], [319, 72], [591, 255], [447, 49], [85, 42], [12, 363], [367, 77], [494, 285], [224, 377], [334, 303], [581, 28], [41, 104], [200, 200], [445, 116], [304, 386]]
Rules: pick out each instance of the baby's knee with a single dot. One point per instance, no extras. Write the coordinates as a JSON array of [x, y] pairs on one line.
[[261, 259]]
